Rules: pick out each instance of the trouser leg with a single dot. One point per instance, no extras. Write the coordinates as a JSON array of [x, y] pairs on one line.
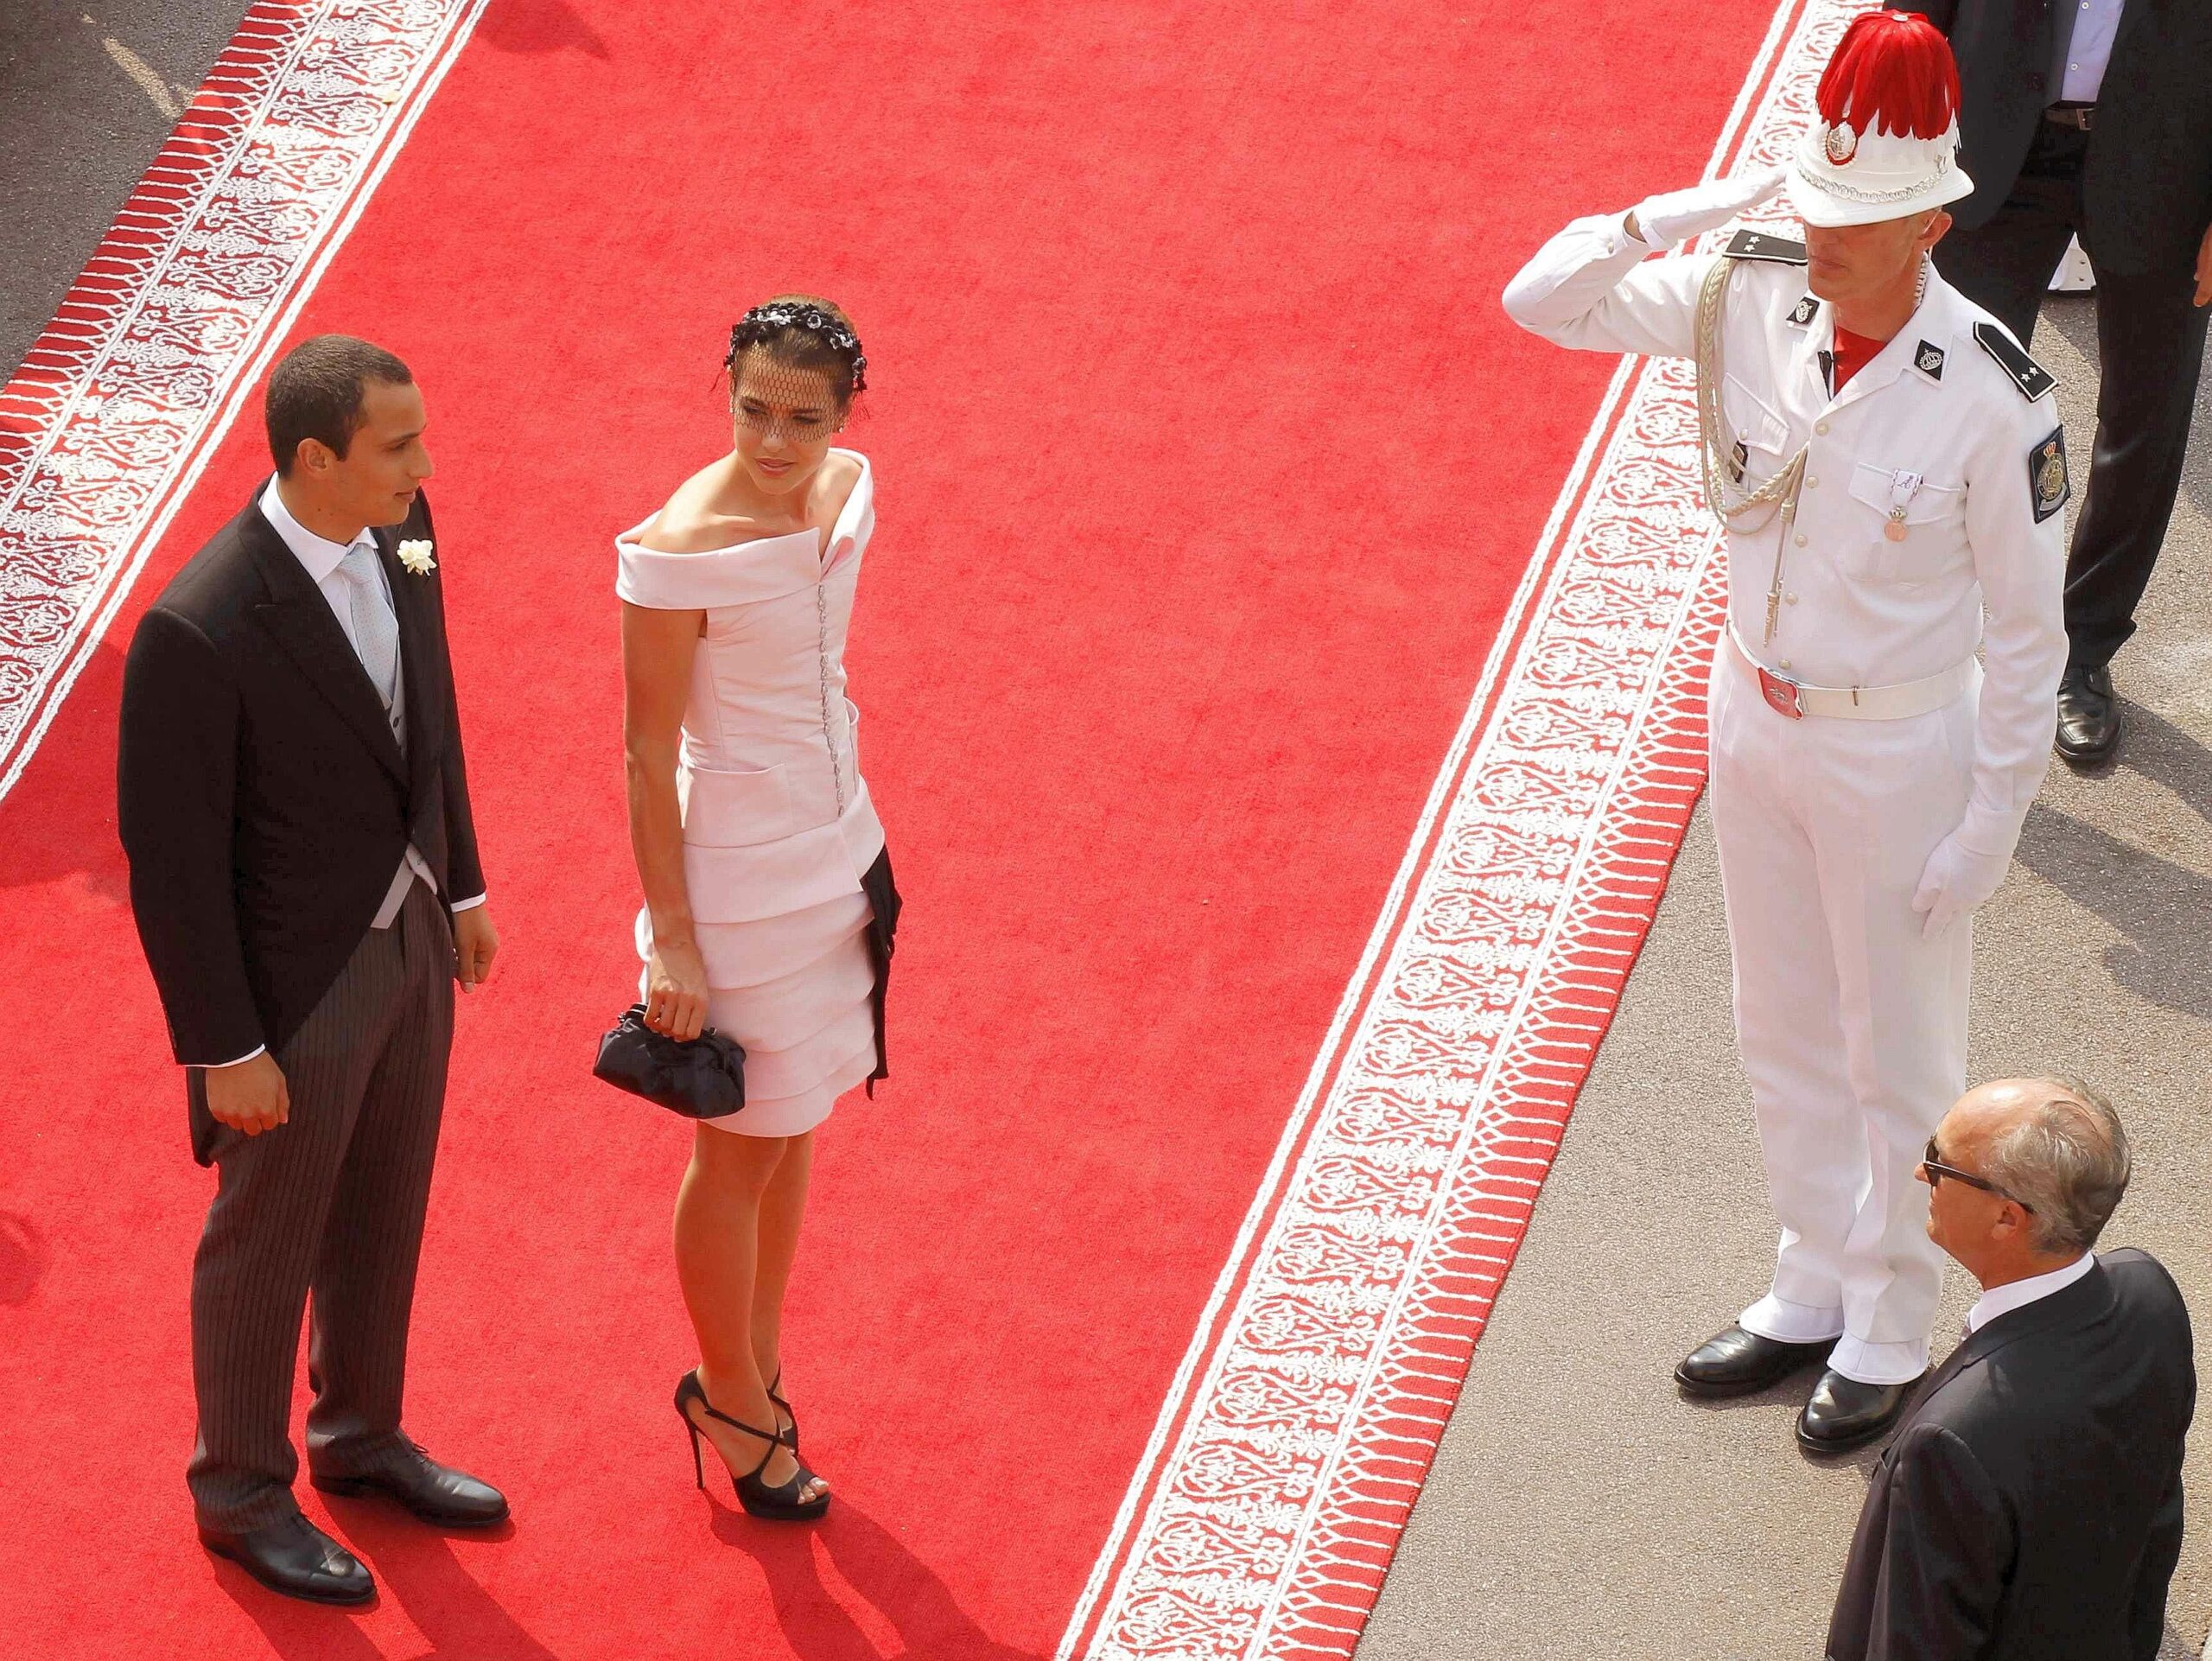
[[365, 1276], [2006, 265], [2151, 349], [1787, 1028], [259, 1250], [1889, 791]]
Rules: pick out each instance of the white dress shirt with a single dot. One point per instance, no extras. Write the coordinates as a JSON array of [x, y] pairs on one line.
[[322, 557], [2095, 23], [2018, 1295]]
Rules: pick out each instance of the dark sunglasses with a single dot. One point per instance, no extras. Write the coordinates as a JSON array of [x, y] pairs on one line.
[[1937, 1171]]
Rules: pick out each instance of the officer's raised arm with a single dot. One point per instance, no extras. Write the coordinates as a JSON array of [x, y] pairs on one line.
[[1588, 286]]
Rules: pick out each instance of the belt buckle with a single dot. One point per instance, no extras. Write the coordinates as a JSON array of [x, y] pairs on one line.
[[1781, 694]]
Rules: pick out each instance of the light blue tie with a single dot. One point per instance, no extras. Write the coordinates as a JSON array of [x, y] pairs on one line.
[[376, 630]]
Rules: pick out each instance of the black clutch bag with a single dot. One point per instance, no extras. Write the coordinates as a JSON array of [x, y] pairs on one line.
[[703, 1080]]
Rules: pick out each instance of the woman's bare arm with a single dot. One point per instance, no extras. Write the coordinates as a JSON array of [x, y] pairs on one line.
[[656, 652]]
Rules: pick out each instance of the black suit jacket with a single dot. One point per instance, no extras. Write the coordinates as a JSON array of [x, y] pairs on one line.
[[2146, 185], [2031, 1508], [262, 801]]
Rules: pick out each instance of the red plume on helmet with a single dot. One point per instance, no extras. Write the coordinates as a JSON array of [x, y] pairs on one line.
[[1892, 73]]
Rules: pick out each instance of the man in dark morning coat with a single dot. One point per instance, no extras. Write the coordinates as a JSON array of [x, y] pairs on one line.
[[2031, 1507], [303, 870], [2095, 117]]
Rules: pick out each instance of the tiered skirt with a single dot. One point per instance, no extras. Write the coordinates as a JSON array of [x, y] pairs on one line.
[[797, 991]]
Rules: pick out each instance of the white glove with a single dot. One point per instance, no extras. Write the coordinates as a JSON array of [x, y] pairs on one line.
[[1662, 221], [1957, 882]]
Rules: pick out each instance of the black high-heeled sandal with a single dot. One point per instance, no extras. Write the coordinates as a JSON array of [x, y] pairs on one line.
[[776, 1503], [791, 1437]]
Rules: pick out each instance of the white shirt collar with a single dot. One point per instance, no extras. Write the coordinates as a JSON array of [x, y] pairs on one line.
[[2018, 1295], [319, 554]]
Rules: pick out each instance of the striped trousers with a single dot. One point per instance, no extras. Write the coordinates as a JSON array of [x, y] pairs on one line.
[[330, 1203]]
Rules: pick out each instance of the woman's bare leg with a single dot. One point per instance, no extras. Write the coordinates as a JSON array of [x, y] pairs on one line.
[[783, 1207], [717, 1263]]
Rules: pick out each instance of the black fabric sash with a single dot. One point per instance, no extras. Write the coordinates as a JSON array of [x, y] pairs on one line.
[[883, 926]]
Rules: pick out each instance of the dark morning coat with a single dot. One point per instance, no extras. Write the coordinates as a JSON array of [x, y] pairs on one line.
[[262, 801], [2146, 185], [2030, 1509]]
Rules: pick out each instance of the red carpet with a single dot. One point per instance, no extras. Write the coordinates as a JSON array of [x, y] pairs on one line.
[[1208, 465]]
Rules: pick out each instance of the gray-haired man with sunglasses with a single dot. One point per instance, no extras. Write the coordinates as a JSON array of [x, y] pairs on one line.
[[2031, 1507]]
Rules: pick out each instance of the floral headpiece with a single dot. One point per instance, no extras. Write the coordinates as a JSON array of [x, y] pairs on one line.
[[758, 326]]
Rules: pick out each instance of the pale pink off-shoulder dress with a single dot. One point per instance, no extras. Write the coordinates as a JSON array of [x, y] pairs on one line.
[[777, 828]]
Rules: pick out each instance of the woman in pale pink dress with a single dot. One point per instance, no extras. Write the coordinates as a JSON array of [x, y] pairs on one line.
[[769, 904]]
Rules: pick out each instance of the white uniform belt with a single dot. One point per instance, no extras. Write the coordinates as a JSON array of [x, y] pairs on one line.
[[1907, 698]]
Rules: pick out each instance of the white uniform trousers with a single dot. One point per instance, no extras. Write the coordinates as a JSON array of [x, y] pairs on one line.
[[1853, 1027]]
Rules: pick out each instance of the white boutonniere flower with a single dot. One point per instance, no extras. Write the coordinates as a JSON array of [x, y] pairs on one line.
[[415, 556]]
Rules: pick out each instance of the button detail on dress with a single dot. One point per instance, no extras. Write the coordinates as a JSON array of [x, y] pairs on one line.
[[1801, 538], [1789, 599], [1822, 428]]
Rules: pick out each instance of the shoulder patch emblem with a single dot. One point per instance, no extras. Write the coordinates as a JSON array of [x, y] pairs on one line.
[[2047, 486], [1804, 311], [2031, 376], [1927, 359], [1756, 244]]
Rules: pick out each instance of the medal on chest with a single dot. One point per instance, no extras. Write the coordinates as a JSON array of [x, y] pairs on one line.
[[1903, 487]]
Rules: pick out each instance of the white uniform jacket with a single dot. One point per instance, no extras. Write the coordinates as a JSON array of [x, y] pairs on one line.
[[1935, 426]]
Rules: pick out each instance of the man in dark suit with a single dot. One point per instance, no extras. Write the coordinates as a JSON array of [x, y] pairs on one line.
[[2094, 117], [303, 870], [2031, 1507]]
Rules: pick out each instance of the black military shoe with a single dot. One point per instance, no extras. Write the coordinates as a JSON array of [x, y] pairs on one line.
[[1737, 1363], [296, 1558], [1844, 1414], [2089, 715], [435, 1493]]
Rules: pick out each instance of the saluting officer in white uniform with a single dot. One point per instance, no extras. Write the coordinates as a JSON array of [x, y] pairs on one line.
[[1889, 468]]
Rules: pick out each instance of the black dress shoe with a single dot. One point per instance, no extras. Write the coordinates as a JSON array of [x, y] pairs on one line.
[[435, 1493], [1737, 1363], [296, 1558], [1844, 1414], [2089, 715]]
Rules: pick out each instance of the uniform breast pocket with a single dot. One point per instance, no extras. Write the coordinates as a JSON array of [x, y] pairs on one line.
[[1762, 435], [1900, 532]]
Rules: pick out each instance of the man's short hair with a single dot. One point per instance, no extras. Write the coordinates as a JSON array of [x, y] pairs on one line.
[[319, 390], [2065, 1156]]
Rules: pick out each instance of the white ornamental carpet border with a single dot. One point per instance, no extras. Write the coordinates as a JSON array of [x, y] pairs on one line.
[[1294, 1438], [121, 400]]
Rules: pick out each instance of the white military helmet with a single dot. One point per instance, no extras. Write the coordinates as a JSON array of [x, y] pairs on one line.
[[1886, 142]]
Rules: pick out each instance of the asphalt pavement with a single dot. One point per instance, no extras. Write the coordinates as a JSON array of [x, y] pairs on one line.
[[1579, 1506], [91, 88]]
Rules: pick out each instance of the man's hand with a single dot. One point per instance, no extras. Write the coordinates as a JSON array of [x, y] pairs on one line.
[[1662, 221], [250, 1097], [2204, 269], [475, 943], [1957, 882]]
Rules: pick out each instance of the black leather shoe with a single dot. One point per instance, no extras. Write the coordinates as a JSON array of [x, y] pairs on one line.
[[1737, 1363], [296, 1558], [2089, 715], [435, 1493], [1844, 1414]]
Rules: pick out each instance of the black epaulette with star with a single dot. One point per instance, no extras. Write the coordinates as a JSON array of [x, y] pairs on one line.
[[2024, 372], [1756, 244]]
